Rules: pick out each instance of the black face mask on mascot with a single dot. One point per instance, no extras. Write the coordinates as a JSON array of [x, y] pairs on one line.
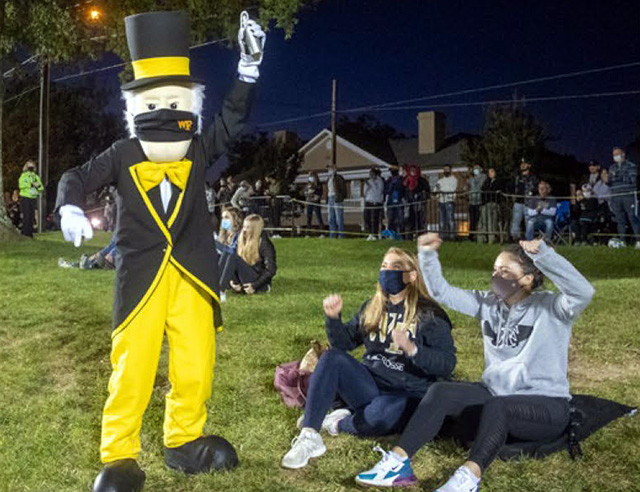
[[165, 125]]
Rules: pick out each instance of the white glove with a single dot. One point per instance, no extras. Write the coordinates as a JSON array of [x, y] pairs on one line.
[[248, 65], [74, 224]]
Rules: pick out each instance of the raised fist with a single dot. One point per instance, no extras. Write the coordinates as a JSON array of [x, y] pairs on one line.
[[430, 241], [332, 306]]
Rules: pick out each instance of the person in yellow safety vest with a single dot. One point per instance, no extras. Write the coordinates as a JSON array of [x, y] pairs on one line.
[[30, 188]]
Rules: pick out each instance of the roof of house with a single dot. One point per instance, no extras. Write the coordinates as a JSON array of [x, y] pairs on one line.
[[377, 147], [406, 151], [398, 151], [379, 153]]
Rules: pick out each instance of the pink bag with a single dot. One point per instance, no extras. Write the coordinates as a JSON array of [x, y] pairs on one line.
[[292, 384]]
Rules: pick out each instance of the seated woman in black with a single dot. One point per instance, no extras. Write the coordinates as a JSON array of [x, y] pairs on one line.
[[256, 261]]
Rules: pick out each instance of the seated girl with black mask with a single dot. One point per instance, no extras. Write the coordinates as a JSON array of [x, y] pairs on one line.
[[408, 343], [524, 393]]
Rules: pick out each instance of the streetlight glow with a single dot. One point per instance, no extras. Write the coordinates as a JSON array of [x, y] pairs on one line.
[[94, 14]]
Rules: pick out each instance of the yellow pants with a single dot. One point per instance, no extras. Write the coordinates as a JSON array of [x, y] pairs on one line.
[[184, 310]]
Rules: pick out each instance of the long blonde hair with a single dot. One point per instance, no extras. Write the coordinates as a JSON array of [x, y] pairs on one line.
[[236, 224], [249, 242], [376, 308]]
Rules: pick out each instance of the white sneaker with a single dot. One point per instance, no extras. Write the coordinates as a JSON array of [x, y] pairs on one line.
[[330, 422], [463, 480], [637, 246], [307, 445]]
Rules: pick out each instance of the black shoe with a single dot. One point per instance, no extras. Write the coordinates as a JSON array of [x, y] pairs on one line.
[[120, 476], [204, 454]]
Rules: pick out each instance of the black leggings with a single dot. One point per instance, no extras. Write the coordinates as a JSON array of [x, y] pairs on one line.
[[524, 418]]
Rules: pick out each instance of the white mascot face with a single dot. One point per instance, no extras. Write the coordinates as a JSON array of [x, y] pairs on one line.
[[177, 97]]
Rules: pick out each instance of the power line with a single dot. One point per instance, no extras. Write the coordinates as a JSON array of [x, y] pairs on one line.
[[21, 94], [508, 101], [13, 69], [207, 43], [96, 70], [291, 120], [82, 74], [476, 103], [497, 86], [116, 65]]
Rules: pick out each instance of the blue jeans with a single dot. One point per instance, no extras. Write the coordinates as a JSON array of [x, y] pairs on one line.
[[539, 222], [336, 217], [624, 208], [314, 209], [395, 217], [375, 413], [517, 216], [110, 248], [447, 221]]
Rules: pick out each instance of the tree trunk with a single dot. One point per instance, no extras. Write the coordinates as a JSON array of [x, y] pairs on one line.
[[7, 231]]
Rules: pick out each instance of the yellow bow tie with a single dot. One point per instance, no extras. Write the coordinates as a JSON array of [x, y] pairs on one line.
[[151, 174]]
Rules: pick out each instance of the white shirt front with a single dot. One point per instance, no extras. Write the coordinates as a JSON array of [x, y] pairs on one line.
[[165, 193]]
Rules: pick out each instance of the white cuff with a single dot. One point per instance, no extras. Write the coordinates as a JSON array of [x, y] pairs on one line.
[[71, 210]]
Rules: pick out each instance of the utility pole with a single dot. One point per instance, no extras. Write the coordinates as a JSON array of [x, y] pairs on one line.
[[333, 124], [43, 142]]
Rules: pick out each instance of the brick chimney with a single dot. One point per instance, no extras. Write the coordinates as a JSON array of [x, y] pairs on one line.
[[431, 131]]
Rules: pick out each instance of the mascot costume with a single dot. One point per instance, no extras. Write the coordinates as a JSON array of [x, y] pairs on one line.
[[167, 279]]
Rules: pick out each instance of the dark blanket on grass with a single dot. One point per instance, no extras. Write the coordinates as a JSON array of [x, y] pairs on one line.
[[588, 414]]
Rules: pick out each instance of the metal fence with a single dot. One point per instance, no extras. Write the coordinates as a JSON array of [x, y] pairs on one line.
[[456, 216]]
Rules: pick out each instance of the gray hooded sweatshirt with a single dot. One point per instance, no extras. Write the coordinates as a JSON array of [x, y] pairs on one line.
[[526, 346]]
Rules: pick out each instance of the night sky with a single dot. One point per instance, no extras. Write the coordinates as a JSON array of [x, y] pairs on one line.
[[383, 51]]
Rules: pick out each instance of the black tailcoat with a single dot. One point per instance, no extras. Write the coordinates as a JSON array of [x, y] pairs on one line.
[[147, 237]]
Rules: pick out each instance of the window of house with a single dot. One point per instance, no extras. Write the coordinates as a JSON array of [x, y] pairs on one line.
[[356, 189]]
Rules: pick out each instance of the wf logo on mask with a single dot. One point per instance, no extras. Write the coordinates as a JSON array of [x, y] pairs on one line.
[[185, 125]]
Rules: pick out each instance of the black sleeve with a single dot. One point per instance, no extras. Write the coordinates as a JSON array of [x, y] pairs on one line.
[[75, 184], [436, 354], [268, 256], [427, 188], [228, 124], [345, 336]]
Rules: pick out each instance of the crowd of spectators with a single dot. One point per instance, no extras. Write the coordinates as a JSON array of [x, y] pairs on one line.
[[483, 206], [599, 208]]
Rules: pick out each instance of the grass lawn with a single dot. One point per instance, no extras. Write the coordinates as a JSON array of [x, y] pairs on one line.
[[54, 365]]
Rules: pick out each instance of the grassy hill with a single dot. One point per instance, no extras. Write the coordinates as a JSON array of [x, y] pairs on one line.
[[54, 366]]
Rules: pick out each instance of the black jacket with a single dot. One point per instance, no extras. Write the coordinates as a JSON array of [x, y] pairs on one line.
[[586, 209], [391, 369], [525, 186], [266, 266], [146, 241], [491, 190]]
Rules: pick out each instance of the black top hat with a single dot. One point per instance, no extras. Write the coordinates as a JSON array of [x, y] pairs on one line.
[[159, 47]]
